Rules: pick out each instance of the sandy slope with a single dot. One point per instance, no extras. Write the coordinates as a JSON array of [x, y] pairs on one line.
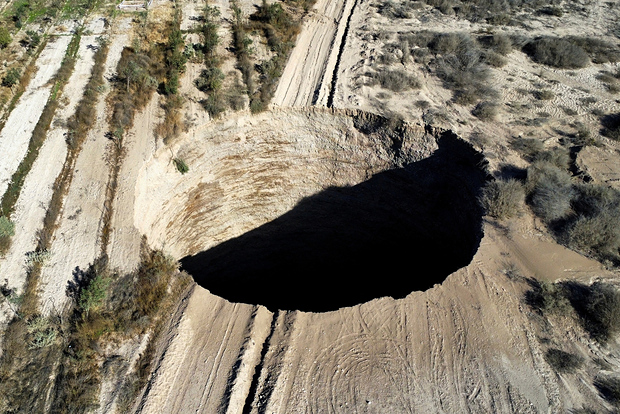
[[77, 240], [17, 131], [467, 345], [37, 190], [124, 250]]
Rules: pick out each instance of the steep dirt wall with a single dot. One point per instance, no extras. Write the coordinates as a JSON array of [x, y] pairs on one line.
[[327, 198], [249, 170]]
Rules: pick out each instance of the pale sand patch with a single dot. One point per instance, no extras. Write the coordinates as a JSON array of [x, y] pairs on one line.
[[17, 131]]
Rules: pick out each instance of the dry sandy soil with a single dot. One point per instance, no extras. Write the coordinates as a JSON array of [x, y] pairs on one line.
[[465, 342]]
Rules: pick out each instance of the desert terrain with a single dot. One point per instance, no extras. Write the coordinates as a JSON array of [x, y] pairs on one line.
[[330, 206]]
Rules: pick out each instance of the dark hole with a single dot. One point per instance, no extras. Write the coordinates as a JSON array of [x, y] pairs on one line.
[[402, 230]]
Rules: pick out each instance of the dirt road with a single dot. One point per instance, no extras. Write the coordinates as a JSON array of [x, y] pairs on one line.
[[308, 76]]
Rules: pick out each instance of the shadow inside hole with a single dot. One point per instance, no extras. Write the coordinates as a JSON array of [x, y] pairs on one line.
[[402, 230]]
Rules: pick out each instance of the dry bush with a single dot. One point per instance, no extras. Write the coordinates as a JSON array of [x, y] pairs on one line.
[[395, 11], [485, 111], [497, 42], [547, 297], [557, 52], [611, 126], [550, 191], [609, 387], [393, 80], [599, 50], [494, 59], [558, 156], [528, 148], [459, 62], [598, 308], [596, 228], [503, 199], [544, 95], [563, 362]]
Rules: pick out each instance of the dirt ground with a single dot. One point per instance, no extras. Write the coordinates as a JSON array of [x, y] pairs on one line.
[[468, 344]]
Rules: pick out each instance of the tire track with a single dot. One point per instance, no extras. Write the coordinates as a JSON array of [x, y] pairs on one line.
[[343, 41], [307, 76]]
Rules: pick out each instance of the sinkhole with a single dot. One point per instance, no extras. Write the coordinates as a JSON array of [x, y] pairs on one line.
[[403, 227]]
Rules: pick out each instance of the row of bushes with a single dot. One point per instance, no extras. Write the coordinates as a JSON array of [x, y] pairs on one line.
[[280, 29], [175, 57], [39, 133], [211, 78], [26, 370]]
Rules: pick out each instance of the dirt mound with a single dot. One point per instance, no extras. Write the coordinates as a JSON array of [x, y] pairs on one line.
[[328, 200]]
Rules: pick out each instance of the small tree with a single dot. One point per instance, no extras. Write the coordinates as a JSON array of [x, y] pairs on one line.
[[92, 296], [5, 37]]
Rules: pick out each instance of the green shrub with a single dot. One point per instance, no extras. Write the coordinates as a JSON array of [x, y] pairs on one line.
[[93, 295], [557, 52], [42, 332], [11, 78], [5, 37], [609, 387], [180, 165], [563, 362], [503, 199], [550, 191], [210, 80]]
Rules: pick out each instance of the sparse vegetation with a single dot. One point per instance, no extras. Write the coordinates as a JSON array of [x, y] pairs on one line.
[[40, 131], [280, 29], [175, 61], [563, 362], [597, 305], [241, 44], [211, 78], [459, 62], [503, 199]]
